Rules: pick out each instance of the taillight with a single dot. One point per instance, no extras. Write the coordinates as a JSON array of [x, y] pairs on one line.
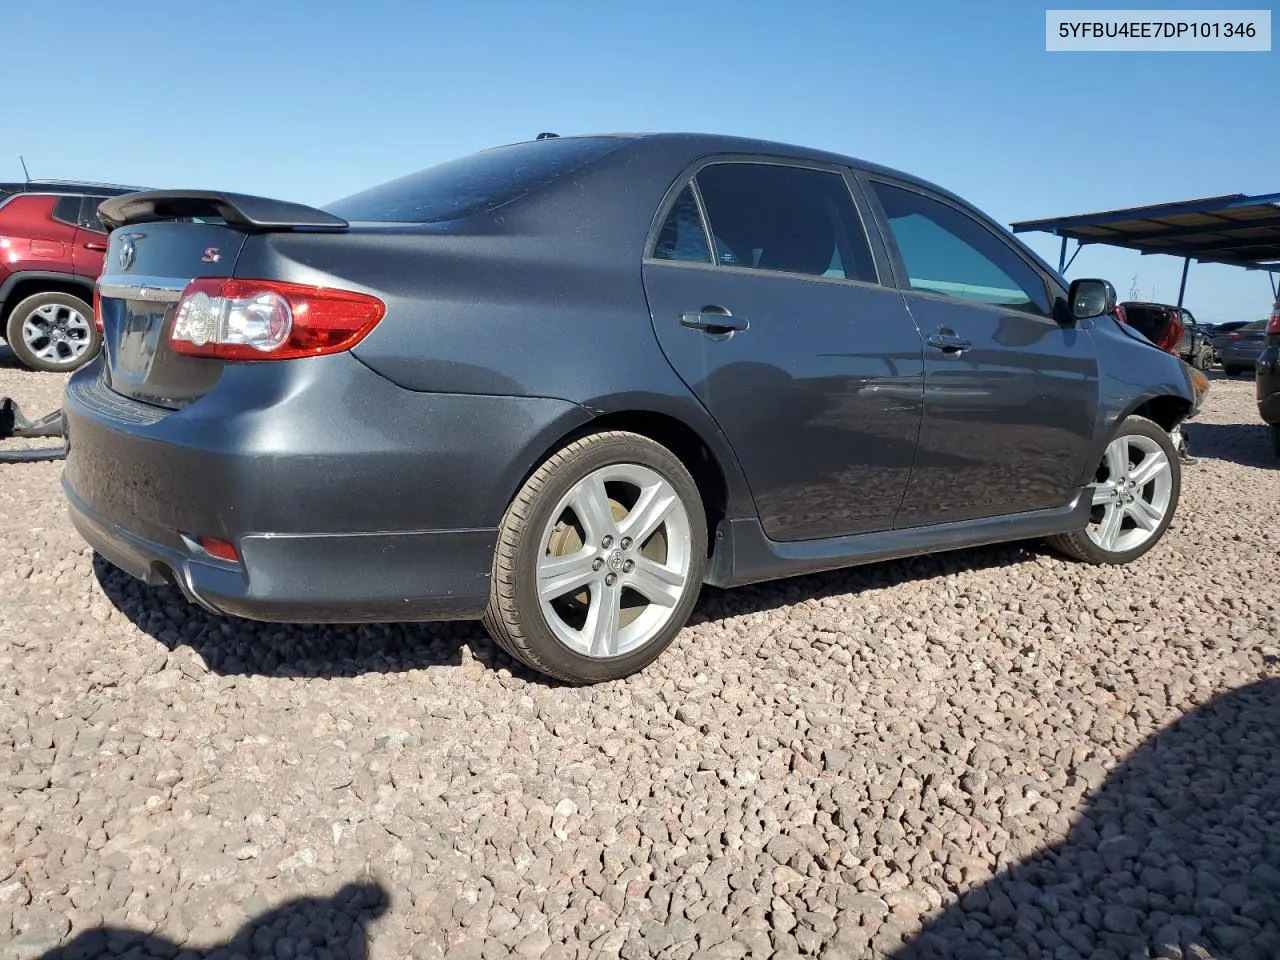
[[1120, 314], [1273, 325], [236, 319], [97, 308], [1235, 335]]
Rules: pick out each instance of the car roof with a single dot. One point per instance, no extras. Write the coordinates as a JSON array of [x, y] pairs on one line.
[[708, 143], [74, 187]]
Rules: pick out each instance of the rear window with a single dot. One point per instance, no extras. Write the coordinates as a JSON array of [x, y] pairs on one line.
[[474, 184], [1151, 322]]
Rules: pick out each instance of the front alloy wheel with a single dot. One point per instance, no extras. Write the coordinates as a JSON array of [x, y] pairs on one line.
[[600, 559], [1134, 495]]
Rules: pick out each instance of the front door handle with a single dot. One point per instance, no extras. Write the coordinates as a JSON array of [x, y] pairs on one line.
[[90, 245], [714, 322], [948, 343]]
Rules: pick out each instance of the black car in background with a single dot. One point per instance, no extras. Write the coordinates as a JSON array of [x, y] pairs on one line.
[[1267, 377], [561, 384]]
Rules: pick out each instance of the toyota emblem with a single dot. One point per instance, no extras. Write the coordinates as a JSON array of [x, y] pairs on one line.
[[127, 251]]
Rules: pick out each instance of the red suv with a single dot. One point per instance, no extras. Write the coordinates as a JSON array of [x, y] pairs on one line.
[[51, 249]]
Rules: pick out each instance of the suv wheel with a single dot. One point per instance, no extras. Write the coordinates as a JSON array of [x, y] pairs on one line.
[[1231, 370], [53, 332], [599, 560], [1135, 493]]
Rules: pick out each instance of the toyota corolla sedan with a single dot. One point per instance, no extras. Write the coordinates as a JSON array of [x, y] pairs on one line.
[[560, 385]]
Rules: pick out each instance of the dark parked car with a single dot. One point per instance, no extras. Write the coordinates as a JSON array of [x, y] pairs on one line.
[[1267, 377], [559, 385], [1238, 350], [53, 244]]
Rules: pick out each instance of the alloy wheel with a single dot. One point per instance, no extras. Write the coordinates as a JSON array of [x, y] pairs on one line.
[[57, 333], [1131, 493], [615, 561]]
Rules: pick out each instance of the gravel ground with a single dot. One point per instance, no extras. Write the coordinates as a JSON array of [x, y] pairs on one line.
[[987, 753]]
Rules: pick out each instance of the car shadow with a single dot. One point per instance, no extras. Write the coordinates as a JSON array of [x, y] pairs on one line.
[[1248, 444], [237, 647], [1176, 854], [304, 927], [9, 359]]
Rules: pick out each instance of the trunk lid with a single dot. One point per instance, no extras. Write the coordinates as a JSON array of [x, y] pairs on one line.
[[145, 272], [160, 241]]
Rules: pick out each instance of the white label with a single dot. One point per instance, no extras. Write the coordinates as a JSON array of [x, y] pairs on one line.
[[1158, 30]]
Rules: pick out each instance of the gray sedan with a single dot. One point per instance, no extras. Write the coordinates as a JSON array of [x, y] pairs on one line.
[[1239, 349], [561, 385]]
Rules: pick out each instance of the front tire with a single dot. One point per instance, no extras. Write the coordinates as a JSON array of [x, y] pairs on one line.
[[53, 332], [600, 559], [1135, 493]]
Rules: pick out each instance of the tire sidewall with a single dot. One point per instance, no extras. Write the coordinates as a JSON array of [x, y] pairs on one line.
[[606, 451], [1131, 426], [24, 309]]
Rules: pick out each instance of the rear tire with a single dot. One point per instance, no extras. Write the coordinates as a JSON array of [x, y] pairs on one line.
[[53, 332], [599, 561], [1135, 495]]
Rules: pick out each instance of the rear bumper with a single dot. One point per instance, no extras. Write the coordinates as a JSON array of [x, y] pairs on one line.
[[1267, 385], [335, 578], [348, 498]]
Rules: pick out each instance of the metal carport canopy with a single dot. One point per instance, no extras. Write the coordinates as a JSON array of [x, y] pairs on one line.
[[1236, 229]]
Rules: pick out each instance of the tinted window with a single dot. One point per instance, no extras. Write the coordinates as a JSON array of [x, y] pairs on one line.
[[682, 236], [1151, 322], [474, 184], [948, 252], [89, 215], [67, 209], [792, 219]]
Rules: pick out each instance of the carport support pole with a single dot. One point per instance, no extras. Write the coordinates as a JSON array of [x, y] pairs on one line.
[[1182, 287], [1062, 256]]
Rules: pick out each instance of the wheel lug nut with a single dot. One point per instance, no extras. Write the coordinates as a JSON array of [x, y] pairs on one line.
[[628, 566], [607, 542], [626, 543], [611, 579], [597, 564]]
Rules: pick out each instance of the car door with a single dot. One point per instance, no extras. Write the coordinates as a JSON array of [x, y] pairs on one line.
[[90, 240], [1011, 390], [766, 298]]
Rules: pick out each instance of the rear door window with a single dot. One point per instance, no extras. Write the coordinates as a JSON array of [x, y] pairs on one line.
[[683, 236], [785, 218], [89, 215]]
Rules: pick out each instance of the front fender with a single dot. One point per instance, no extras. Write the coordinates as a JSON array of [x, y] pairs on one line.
[[1134, 375]]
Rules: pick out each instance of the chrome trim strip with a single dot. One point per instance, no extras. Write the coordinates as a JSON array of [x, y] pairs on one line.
[[151, 289]]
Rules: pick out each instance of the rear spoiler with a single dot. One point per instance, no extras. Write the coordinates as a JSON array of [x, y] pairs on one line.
[[240, 211]]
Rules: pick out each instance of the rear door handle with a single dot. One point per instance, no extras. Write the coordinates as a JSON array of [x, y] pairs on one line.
[[90, 245], [714, 322], [948, 343]]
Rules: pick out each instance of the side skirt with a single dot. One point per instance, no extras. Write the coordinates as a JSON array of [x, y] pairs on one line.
[[743, 554]]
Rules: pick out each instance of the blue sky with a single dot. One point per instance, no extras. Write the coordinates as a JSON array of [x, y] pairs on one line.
[[311, 101]]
